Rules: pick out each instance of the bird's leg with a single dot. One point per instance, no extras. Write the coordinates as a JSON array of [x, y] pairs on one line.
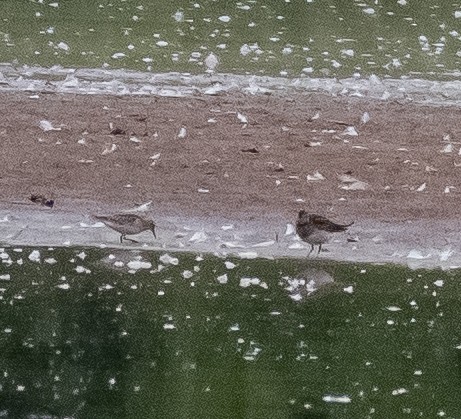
[[312, 248], [320, 248], [121, 238]]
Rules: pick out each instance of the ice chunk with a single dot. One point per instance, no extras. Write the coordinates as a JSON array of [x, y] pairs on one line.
[[224, 18], [229, 265], [290, 229], [331, 398], [393, 308], [242, 118], [47, 126], [138, 264], [315, 177], [168, 260], [365, 118], [222, 279], [350, 131], [246, 282], [182, 132], [35, 256], [198, 237], [63, 46], [5, 277], [187, 274], [349, 289]]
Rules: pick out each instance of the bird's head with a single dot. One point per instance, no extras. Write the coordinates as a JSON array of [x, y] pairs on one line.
[[152, 227]]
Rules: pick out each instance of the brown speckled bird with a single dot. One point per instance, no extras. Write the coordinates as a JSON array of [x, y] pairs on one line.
[[315, 229], [127, 224]]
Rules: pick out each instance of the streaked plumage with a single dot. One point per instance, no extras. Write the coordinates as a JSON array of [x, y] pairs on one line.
[[315, 229], [127, 224], [40, 199]]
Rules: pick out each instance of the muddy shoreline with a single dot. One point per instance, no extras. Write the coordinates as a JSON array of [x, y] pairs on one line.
[[250, 161]]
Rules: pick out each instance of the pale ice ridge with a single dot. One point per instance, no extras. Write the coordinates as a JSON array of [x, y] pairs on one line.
[[122, 82]]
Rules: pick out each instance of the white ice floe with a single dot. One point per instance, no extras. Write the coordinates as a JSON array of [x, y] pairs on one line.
[[211, 62], [63, 46], [264, 244], [203, 190], [445, 254], [439, 283], [290, 229], [161, 43], [242, 118], [4, 219], [229, 265], [421, 187], [81, 269], [108, 150], [63, 286], [47, 126], [198, 237], [118, 55], [187, 274], [349, 289], [350, 131], [315, 177], [5, 277], [350, 183], [138, 264], [399, 391], [248, 255], [182, 133], [416, 254], [365, 118], [393, 308], [35, 256], [222, 279], [168, 260], [51, 261], [246, 282], [331, 398], [447, 149], [224, 18]]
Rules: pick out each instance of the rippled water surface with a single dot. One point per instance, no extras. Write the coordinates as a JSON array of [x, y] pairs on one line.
[[289, 38], [122, 334]]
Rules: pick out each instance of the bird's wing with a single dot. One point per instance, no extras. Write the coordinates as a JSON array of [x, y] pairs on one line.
[[323, 223]]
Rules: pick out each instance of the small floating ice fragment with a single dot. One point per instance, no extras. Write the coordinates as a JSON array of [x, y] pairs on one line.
[[349, 289], [242, 118], [138, 264], [439, 283], [47, 126], [168, 260], [416, 254], [81, 269], [118, 55], [198, 237], [246, 282], [63, 46], [315, 177], [365, 118], [35, 256], [224, 18], [421, 188], [290, 229], [229, 265], [264, 244], [222, 279], [399, 391], [331, 398], [350, 131], [393, 308], [187, 274], [248, 255], [51, 261], [5, 277]]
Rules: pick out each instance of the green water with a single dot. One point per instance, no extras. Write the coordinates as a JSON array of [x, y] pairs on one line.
[[86, 339], [290, 38]]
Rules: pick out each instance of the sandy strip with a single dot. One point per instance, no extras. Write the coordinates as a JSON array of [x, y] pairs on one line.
[[205, 162]]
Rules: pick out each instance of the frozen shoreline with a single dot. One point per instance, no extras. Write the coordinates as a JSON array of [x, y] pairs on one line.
[[128, 82]]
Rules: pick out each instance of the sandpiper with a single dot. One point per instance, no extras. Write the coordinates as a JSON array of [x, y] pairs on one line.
[[315, 229], [40, 199], [127, 224]]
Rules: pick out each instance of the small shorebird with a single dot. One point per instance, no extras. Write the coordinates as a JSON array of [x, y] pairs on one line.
[[127, 224], [315, 229], [40, 199]]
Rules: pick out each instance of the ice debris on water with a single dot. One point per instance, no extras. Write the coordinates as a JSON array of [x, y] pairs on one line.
[[242, 118], [393, 308], [34, 256], [421, 187], [350, 183], [416, 254], [246, 282], [349, 289], [138, 264], [222, 279], [331, 398], [182, 133], [350, 131], [51, 261], [108, 150], [81, 269], [229, 265], [198, 237], [48, 126], [5, 277], [187, 274], [365, 118], [290, 229], [168, 260], [315, 177]]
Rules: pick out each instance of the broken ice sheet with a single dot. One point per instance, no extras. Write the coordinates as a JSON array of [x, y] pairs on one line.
[[182, 132], [421, 188], [447, 149], [350, 131], [315, 177], [108, 150], [350, 183], [47, 126], [242, 118], [365, 118]]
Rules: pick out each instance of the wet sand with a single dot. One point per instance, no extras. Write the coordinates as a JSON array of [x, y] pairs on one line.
[[237, 159]]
